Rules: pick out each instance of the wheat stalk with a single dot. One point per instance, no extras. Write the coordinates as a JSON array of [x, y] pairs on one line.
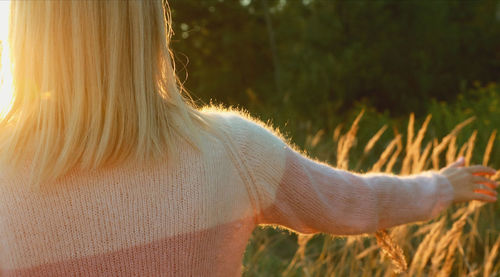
[[346, 142], [447, 244], [385, 155], [394, 158], [374, 139], [439, 147], [489, 147], [426, 248], [470, 147], [392, 250], [452, 150], [488, 266]]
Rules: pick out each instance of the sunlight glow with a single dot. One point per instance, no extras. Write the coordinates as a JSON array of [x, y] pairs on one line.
[[5, 68]]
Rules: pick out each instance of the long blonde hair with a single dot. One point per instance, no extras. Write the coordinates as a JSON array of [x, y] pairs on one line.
[[93, 84]]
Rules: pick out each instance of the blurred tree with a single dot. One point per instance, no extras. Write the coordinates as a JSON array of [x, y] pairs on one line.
[[332, 55]]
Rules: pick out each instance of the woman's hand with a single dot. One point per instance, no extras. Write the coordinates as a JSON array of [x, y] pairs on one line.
[[471, 182]]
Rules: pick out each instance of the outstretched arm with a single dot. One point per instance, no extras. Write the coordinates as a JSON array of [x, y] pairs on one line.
[[308, 196], [314, 197]]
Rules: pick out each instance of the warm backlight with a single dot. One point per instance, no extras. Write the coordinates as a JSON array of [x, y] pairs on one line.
[[5, 68]]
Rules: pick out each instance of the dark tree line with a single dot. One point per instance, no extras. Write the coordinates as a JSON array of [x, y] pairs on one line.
[[320, 58]]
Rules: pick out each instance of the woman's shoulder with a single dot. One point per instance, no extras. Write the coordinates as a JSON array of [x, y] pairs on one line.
[[241, 124], [239, 128], [227, 117]]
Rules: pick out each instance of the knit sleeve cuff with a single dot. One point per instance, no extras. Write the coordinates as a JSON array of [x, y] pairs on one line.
[[444, 194]]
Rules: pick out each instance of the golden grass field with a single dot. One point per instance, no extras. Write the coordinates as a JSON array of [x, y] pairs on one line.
[[463, 241]]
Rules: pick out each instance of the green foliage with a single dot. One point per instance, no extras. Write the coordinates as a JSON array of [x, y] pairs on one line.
[[483, 103], [318, 59]]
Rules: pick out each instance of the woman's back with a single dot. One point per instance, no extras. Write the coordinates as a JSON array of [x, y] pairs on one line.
[[188, 215]]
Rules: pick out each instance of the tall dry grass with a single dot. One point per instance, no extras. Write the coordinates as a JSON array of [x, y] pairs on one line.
[[462, 241]]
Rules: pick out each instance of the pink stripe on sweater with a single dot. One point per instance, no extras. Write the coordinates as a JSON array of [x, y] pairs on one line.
[[217, 251]]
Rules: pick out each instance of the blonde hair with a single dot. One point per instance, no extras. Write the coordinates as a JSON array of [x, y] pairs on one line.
[[93, 84]]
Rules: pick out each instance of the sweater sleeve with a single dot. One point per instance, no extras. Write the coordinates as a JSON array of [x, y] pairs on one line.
[[309, 196]]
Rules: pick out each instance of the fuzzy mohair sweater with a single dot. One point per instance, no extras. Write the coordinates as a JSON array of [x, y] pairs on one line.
[[192, 213]]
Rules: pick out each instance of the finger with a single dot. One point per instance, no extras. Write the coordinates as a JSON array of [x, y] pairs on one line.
[[458, 163], [484, 197], [481, 170], [486, 181], [486, 190]]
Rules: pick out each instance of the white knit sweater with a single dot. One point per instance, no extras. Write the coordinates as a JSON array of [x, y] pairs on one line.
[[192, 213]]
